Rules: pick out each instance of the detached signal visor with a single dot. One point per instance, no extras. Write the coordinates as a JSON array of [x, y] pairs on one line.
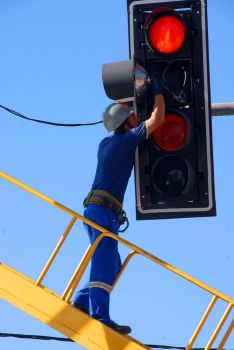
[[165, 31]]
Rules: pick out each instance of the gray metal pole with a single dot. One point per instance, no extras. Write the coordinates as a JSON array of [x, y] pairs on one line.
[[226, 108]]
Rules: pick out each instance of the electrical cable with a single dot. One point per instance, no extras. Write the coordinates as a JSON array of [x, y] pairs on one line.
[[181, 98], [43, 337], [44, 121]]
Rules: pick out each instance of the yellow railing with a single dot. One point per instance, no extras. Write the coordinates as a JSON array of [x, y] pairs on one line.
[[70, 288]]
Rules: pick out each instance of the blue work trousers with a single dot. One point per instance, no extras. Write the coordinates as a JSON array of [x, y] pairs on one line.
[[105, 264]]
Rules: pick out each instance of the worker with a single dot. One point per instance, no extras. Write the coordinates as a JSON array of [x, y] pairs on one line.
[[104, 202]]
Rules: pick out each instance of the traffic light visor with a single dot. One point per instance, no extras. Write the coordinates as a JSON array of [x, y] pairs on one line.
[[172, 134], [165, 32]]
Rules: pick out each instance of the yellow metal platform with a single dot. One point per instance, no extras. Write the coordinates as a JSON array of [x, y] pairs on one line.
[[47, 306]]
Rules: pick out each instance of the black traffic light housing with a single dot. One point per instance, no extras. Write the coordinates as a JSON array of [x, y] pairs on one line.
[[174, 167]]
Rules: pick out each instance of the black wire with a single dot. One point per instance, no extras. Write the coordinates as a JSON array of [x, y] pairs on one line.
[[44, 337], [44, 121], [31, 336]]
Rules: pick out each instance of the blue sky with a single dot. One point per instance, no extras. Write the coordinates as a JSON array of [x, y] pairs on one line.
[[51, 58]]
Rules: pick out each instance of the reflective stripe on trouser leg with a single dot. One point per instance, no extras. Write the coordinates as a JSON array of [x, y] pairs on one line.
[[102, 285]]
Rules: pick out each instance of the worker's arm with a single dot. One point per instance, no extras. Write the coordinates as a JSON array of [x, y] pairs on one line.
[[157, 115]]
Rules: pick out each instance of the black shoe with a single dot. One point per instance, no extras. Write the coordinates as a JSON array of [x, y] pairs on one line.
[[81, 308], [120, 329]]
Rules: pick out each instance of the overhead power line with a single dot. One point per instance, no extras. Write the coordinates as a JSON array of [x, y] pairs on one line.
[[17, 114], [44, 337]]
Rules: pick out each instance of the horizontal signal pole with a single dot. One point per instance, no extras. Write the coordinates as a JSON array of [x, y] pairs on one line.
[[219, 109]]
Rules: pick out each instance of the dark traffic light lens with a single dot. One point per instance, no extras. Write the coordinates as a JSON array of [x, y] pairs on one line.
[[172, 134], [170, 176], [166, 33]]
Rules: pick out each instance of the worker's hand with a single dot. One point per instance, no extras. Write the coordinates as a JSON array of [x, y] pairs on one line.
[[156, 85]]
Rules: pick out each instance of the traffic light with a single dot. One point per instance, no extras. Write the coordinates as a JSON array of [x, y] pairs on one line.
[[174, 167]]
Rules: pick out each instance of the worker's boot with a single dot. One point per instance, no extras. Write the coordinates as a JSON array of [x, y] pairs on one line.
[[113, 325], [120, 329]]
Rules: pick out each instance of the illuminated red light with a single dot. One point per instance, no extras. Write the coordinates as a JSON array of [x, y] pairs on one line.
[[166, 33], [172, 133]]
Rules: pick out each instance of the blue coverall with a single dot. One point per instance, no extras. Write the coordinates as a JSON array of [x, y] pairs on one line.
[[115, 163]]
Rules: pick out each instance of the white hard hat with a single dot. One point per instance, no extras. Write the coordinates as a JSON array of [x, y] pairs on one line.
[[114, 115]]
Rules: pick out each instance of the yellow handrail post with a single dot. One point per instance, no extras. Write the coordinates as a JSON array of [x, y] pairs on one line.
[[226, 336], [219, 326], [76, 276], [123, 268], [82, 266], [201, 323], [56, 250]]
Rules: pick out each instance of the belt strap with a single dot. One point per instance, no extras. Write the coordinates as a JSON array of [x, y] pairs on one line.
[[104, 199]]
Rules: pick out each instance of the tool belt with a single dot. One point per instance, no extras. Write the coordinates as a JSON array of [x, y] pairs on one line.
[[104, 199]]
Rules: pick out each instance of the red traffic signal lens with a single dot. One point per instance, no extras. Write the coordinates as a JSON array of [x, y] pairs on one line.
[[166, 33], [172, 133]]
